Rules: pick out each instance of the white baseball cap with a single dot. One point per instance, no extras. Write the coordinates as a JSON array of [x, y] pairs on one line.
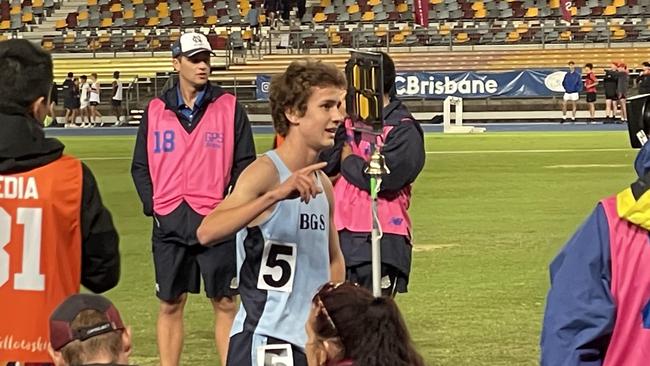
[[190, 44]]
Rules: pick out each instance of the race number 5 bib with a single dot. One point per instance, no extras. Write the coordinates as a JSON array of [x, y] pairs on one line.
[[278, 266], [275, 355]]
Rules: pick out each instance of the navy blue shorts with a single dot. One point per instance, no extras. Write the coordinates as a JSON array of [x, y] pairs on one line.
[[396, 254], [179, 269]]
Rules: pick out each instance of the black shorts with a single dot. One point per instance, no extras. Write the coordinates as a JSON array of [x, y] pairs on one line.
[[94, 104], [179, 269], [241, 346], [611, 96], [392, 279], [116, 103], [396, 252], [591, 97], [69, 103]]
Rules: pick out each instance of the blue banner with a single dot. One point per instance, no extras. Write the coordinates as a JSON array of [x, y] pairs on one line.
[[439, 85], [263, 83], [511, 84]]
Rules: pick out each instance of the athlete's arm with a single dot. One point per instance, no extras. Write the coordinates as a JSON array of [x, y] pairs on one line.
[[100, 257], [253, 195], [337, 262]]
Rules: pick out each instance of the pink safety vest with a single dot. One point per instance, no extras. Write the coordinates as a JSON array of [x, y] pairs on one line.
[[630, 287], [353, 205], [194, 167]]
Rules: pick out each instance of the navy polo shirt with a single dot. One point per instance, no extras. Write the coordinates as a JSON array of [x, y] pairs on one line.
[[190, 113]]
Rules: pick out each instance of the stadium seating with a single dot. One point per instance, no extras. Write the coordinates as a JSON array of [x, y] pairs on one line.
[[161, 13], [165, 13], [352, 11], [15, 15], [488, 60]]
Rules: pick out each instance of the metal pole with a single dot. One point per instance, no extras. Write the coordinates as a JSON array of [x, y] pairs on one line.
[[376, 169]]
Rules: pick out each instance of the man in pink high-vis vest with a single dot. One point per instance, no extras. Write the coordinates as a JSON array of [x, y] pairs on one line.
[[598, 306], [403, 149], [192, 144]]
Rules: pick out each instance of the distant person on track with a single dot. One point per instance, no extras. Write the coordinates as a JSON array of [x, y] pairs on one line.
[[572, 84], [590, 87], [610, 82]]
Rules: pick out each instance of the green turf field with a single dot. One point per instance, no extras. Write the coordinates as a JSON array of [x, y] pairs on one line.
[[489, 212]]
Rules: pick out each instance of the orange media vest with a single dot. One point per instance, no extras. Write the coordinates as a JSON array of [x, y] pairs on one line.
[[40, 253]]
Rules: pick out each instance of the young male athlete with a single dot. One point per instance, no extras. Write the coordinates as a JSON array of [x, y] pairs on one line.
[[288, 246]]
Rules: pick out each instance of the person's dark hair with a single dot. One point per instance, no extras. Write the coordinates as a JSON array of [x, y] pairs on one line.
[[70, 75], [388, 67], [94, 74], [371, 330], [84, 77], [571, 63], [589, 65], [646, 64], [25, 74], [293, 88], [116, 74]]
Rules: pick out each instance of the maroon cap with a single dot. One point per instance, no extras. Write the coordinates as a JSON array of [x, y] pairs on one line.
[[61, 333]]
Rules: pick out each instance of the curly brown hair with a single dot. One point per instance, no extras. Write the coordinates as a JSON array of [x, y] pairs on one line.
[[292, 89]]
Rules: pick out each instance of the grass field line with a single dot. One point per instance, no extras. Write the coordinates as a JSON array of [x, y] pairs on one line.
[[441, 152], [521, 151], [572, 166]]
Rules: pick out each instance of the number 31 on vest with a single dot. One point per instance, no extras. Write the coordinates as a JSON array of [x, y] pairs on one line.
[[30, 278], [278, 267]]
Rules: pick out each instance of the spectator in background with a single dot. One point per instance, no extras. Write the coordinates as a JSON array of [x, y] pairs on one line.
[[590, 87], [69, 237], [69, 99], [50, 119], [347, 326], [611, 92], [572, 84], [272, 8], [88, 330], [116, 100], [93, 99], [253, 19], [76, 102], [621, 89], [643, 80], [84, 104]]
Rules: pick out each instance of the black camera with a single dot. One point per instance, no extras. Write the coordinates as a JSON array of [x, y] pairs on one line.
[[638, 119]]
